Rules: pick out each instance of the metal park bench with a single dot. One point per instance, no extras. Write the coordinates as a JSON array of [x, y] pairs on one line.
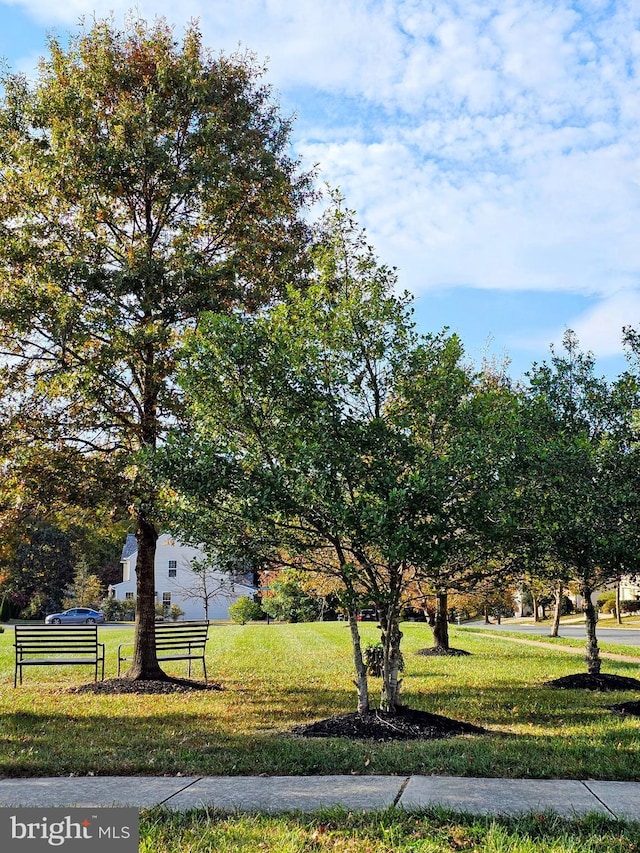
[[55, 645], [176, 641]]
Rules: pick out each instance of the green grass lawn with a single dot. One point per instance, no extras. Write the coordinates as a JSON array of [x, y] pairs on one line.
[[275, 676], [392, 831]]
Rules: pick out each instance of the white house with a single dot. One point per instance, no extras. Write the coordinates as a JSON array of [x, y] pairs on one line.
[[201, 595], [630, 588]]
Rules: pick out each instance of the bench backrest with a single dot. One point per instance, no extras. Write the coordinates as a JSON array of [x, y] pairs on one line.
[[56, 639], [177, 635]]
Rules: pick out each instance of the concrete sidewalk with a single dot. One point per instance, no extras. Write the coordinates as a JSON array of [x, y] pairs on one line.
[[309, 793]]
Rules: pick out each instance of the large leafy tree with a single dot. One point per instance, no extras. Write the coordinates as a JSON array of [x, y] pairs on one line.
[[41, 570], [142, 182], [470, 422], [46, 488], [332, 438], [577, 491]]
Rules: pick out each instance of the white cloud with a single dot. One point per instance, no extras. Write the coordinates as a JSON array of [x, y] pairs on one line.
[[565, 222], [309, 43], [490, 143], [599, 329]]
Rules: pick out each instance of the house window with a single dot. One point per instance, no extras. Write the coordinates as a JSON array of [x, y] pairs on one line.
[[166, 601], [128, 596], [173, 573]]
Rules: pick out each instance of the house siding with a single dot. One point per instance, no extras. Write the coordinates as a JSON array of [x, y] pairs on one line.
[[173, 586]]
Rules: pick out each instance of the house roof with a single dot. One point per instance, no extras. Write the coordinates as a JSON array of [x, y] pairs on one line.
[[130, 546]]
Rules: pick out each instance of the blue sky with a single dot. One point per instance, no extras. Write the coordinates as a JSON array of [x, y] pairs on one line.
[[490, 147]]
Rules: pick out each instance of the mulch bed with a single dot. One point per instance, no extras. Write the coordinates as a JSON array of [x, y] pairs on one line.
[[602, 682], [438, 651], [631, 708], [406, 724], [127, 685]]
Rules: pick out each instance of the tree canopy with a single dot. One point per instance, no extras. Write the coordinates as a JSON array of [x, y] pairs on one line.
[[143, 181], [577, 490], [327, 435]]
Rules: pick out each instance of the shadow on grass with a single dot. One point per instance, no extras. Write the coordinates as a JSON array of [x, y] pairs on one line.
[[546, 741], [511, 706]]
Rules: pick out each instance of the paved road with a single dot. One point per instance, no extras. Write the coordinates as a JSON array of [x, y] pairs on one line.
[[623, 636]]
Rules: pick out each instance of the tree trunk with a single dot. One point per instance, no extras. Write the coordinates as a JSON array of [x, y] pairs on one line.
[[145, 664], [536, 617], [590, 619], [362, 681], [555, 628], [441, 623], [487, 620], [391, 639], [618, 613]]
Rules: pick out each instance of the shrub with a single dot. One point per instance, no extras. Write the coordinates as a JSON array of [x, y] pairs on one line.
[[630, 606], [245, 610], [288, 601], [373, 659], [609, 595], [118, 610], [608, 605], [37, 607], [5, 609], [172, 612]]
